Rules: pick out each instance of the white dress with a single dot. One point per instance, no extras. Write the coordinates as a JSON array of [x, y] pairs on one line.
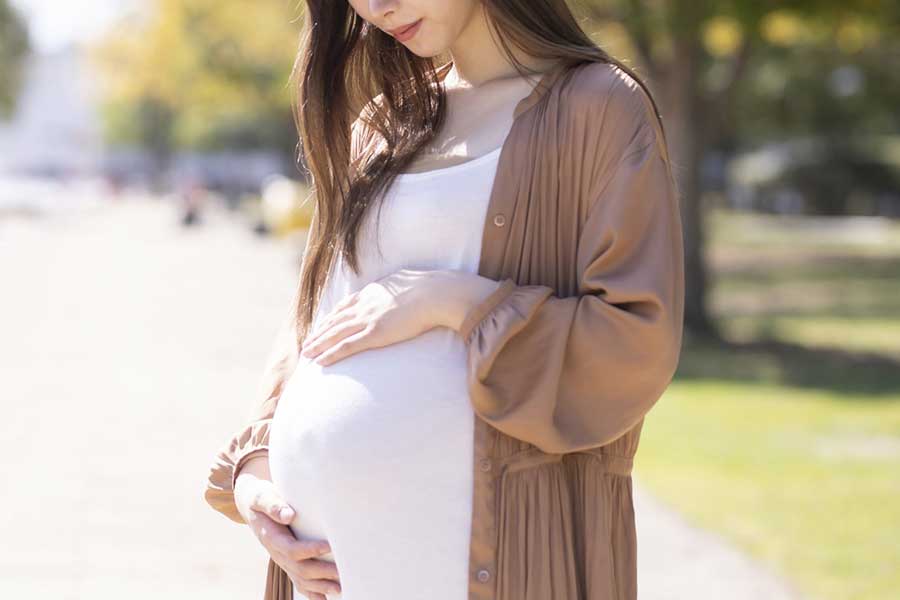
[[375, 451]]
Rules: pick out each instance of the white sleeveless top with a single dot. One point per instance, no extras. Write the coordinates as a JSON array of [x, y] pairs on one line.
[[375, 451]]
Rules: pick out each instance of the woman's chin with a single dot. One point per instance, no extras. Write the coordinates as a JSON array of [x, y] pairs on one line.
[[423, 52]]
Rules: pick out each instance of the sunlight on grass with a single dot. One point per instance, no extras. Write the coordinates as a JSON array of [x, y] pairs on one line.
[[806, 481], [880, 335], [786, 439]]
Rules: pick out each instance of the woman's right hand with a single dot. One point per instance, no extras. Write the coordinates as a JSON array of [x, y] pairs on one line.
[[268, 516]]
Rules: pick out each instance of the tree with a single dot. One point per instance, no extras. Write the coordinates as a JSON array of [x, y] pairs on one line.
[[696, 55], [201, 74], [14, 47]]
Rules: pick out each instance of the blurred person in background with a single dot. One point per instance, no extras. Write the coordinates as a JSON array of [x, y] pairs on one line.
[[192, 194]]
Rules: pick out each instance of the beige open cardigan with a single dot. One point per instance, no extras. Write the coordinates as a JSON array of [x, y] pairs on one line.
[[565, 358]]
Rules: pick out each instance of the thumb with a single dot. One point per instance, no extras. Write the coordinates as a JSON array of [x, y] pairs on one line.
[[271, 503]]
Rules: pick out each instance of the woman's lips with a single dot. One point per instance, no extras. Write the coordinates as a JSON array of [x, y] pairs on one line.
[[407, 33]]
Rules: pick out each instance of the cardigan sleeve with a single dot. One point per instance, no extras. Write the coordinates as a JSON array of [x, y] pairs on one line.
[[252, 438], [577, 372]]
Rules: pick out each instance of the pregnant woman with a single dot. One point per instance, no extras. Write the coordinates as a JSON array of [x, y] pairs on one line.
[[490, 302], [384, 451]]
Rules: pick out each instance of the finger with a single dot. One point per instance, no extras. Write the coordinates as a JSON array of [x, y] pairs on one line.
[[276, 538], [339, 307], [344, 303], [268, 502], [321, 586], [346, 347], [296, 583], [337, 317], [313, 568], [307, 549], [338, 333]]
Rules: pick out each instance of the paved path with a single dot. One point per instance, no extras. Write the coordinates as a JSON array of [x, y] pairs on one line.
[[129, 349], [678, 561]]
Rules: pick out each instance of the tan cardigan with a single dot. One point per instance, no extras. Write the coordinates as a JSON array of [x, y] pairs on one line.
[[566, 357]]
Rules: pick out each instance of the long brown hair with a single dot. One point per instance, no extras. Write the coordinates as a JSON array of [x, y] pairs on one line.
[[344, 64]]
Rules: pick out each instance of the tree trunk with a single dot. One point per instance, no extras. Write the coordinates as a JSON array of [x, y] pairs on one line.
[[683, 109]]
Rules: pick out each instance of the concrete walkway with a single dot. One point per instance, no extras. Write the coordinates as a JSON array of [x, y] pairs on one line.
[[677, 561], [130, 349]]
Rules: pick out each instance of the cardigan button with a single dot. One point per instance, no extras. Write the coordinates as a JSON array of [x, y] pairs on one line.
[[484, 575], [485, 464], [499, 220]]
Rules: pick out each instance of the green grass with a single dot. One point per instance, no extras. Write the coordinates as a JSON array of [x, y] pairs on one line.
[[786, 436]]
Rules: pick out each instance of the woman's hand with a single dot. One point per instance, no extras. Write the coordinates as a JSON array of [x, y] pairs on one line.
[[268, 516], [398, 307]]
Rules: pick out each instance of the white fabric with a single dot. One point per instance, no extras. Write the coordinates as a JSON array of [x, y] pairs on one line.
[[374, 451]]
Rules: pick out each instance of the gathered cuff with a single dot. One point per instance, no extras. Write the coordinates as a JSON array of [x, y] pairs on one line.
[[499, 316], [480, 310], [251, 441]]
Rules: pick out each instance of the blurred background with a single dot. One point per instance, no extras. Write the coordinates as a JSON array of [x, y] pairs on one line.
[[152, 216]]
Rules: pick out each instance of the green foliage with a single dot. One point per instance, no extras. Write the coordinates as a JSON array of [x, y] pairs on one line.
[[770, 68], [786, 438], [757, 69], [14, 46], [202, 74]]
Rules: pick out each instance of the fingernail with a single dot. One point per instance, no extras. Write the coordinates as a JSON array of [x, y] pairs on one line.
[[285, 513]]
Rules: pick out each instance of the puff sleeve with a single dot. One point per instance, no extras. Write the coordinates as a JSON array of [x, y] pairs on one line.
[[252, 438], [571, 373]]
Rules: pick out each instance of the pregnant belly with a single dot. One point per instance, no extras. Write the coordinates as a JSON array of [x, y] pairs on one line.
[[378, 446]]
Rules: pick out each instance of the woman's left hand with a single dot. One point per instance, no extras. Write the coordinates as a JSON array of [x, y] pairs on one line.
[[400, 306]]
